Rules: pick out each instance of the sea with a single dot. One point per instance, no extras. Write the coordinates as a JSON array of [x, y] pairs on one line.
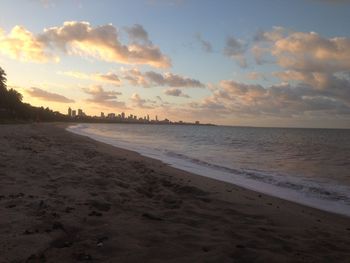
[[306, 166]]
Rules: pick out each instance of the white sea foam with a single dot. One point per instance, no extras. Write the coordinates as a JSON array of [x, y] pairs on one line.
[[314, 192]]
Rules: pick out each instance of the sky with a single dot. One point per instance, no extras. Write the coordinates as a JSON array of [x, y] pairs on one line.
[[247, 63]]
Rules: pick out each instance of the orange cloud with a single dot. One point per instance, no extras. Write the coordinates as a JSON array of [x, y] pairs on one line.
[[311, 52], [101, 42], [22, 45], [80, 38], [304, 52]]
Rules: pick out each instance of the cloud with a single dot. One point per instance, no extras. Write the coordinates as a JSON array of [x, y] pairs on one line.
[[104, 98], [275, 34], [260, 54], [22, 45], [47, 96], [255, 75], [175, 92], [80, 38], [235, 49], [312, 53], [151, 78], [135, 78], [289, 75], [101, 42], [305, 52], [284, 100], [109, 77], [206, 45], [315, 68], [138, 102], [138, 34]]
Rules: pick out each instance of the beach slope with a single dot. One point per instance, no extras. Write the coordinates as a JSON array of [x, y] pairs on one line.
[[67, 198]]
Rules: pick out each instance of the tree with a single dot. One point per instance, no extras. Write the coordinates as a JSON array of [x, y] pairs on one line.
[[3, 88], [12, 107], [13, 99], [3, 79]]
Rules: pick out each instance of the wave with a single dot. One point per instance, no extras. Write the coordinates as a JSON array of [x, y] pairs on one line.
[[327, 191]]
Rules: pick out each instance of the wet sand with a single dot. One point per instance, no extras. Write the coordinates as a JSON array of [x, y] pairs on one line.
[[67, 198]]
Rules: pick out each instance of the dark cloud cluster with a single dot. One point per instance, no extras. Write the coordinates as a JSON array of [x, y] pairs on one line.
[[206, 45], [235, 49], [284, 100], [152, 78], [175, 92], [315, 75], [109, 77], [138, 34]]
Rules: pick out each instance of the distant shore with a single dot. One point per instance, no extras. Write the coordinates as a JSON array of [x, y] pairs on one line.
[[67, 198]]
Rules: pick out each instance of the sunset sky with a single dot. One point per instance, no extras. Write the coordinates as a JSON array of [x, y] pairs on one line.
[[254, 62]]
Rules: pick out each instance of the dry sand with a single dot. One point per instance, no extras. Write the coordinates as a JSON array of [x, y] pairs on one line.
[[67, 198]]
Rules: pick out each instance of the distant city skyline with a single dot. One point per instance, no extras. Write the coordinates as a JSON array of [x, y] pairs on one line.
[[122, 117], [231, 62]]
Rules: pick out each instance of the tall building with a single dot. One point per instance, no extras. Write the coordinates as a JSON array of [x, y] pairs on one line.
[[123, 115], [111, 115], [147, 117], [69, 112], [74, 113], [102, 115], [80, 112], [156, 117]]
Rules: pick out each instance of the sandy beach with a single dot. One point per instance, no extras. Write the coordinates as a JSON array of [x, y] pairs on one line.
[[67, 198]]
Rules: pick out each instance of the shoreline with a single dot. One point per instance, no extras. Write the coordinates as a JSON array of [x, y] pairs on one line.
[[146, 209], [249, 184]]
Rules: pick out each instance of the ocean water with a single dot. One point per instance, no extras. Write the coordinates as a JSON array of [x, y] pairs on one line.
[[307, 166]]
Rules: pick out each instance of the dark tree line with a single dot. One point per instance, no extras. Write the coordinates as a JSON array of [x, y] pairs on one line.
[[12, 107]]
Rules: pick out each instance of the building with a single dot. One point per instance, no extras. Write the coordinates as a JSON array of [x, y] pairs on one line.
[[74, 113], [123, 115], [80, 113], [102, 115], [111, 115], [156, 117], [69, 112]]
